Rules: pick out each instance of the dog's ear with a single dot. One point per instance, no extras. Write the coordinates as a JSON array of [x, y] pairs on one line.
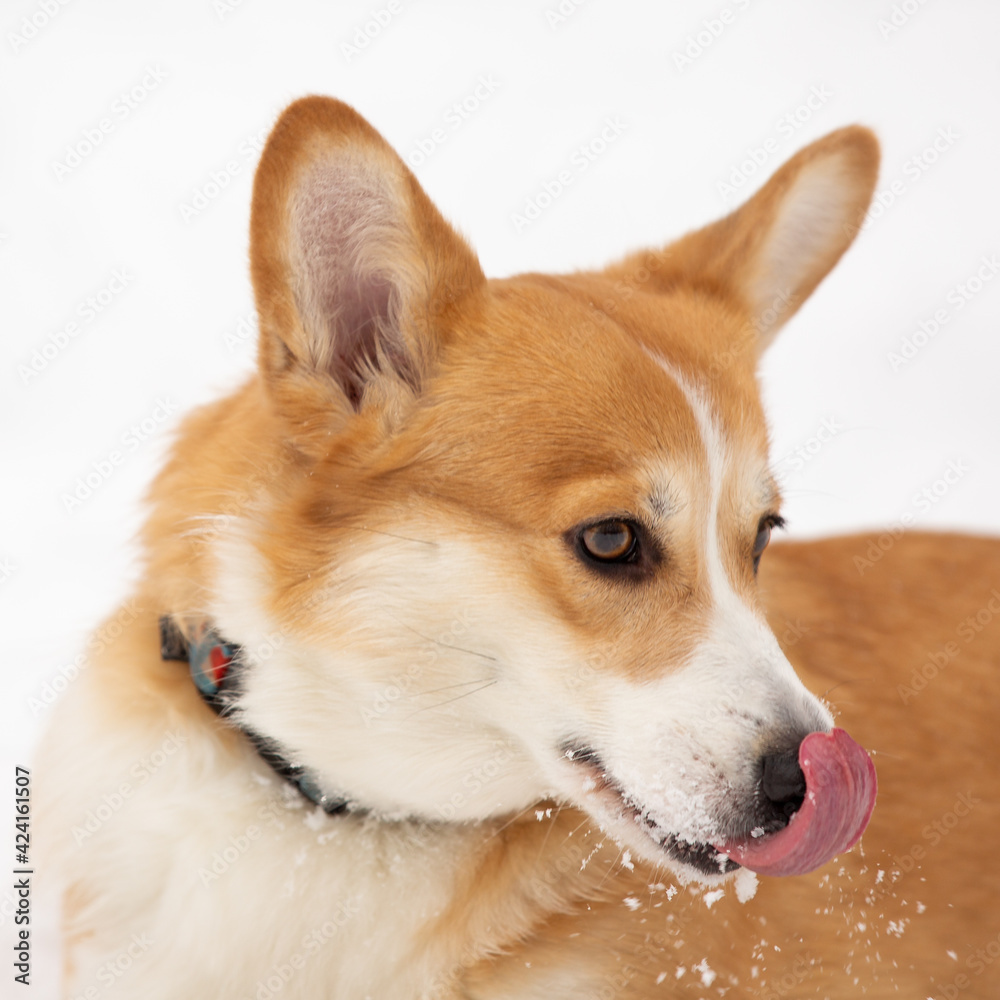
[[354, 269], [769, 255]]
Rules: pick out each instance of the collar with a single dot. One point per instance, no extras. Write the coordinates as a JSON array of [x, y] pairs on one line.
[[215, 669]]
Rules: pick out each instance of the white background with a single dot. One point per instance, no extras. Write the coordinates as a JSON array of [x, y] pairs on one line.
[[223, 70]]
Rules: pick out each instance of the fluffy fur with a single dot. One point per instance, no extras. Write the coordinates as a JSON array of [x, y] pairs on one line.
[[387, 519]]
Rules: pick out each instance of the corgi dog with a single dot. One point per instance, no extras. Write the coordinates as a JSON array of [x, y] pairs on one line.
[[452, 674]]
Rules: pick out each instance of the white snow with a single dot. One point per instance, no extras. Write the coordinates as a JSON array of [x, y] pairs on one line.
[[745, 882], [707, 973]]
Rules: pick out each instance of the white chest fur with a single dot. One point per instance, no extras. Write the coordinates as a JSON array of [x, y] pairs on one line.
[[206, 875]]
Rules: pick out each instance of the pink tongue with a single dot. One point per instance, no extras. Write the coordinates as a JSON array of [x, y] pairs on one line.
[[840, 796]]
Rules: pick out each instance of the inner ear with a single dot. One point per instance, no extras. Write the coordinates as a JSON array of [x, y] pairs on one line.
[[346, 233]]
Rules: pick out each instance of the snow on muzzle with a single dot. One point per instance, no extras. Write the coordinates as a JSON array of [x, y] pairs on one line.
[[839, 799]]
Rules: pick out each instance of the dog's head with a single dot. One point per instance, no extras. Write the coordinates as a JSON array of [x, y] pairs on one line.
[[497, 540]]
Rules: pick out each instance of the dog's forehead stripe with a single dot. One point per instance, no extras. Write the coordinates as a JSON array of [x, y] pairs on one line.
[[716, 454]]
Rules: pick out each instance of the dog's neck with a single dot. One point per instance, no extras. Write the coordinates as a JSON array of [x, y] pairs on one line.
[[215, 670]]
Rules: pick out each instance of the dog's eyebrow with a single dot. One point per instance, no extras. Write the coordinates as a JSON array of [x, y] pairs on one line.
[[770, 495], [660, 502]]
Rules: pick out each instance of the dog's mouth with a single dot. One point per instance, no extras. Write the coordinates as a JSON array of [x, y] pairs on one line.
[[840, 788], [702, 856]]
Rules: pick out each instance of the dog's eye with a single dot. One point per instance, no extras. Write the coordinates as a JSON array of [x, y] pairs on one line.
[[767, 522], [610, 541]]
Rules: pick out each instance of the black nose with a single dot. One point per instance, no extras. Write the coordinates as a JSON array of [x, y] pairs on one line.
[[783, 782]]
